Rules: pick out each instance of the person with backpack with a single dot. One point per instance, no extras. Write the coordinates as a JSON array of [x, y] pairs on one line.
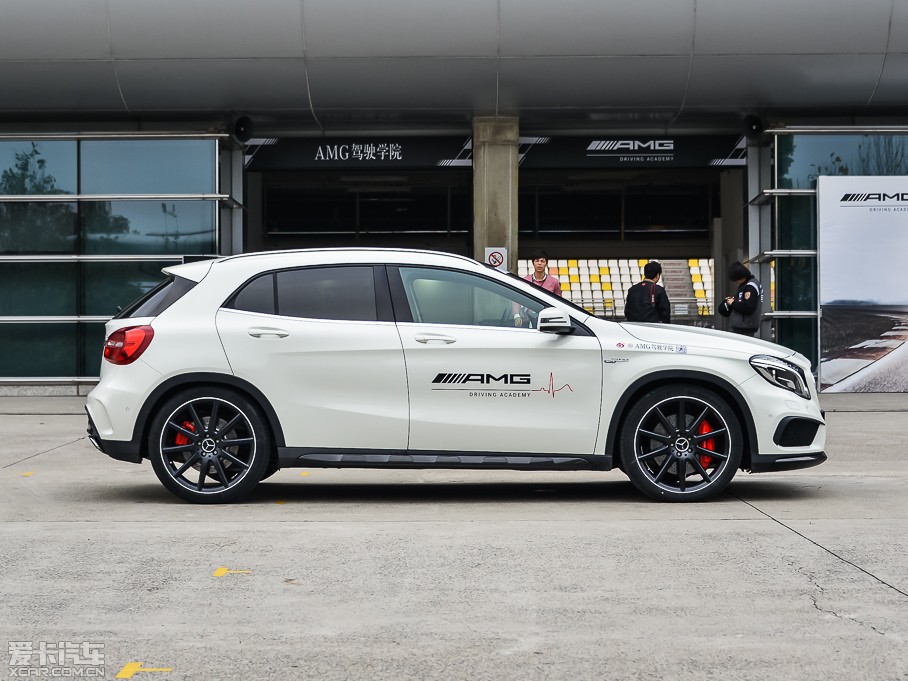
[[647, 301], [745, 308]]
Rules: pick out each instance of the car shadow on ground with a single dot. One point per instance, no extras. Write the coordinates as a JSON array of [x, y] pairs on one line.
[[619, 491]]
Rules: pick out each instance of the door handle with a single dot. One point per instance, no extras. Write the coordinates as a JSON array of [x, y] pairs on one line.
[[259, 332], [434, 338]]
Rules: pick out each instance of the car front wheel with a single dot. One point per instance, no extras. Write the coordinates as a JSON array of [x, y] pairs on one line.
[[209, 445], [681, 443]]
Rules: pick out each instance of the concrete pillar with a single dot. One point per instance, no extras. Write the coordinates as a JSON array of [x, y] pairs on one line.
[[495, 144]]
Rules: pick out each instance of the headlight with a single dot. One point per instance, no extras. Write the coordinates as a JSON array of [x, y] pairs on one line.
[[782, 374]]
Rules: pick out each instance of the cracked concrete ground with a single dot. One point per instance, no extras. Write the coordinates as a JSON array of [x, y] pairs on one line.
[[327, 574]]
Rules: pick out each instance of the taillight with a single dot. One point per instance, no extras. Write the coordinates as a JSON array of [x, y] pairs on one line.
[[125, 346]]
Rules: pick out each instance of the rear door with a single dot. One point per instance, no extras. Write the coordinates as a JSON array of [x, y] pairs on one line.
[[320, 343]]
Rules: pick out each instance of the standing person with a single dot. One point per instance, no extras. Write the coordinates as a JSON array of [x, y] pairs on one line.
[[538, 277], [540, 274], [745, 307], [647, 301]]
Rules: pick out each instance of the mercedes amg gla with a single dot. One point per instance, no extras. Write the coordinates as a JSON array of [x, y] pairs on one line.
[[371, 358]]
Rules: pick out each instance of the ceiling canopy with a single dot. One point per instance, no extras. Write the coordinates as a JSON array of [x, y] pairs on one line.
[[342, 64]]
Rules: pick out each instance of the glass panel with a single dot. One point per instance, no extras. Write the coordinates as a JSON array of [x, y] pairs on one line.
[[33, 289], [796, 284], [346, 293], [92, 341], [28, 167], [256, 296], [673, 212], [799, 334], [149, 227], [109, 285], [307, 209], [802, 158], [39, 350], [35, 228], [796, 223], [148, 167], [443, 297], [587, 212], [425, 210]]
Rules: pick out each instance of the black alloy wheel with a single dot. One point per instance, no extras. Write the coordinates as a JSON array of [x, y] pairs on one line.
[[209, 445], [681, 443]]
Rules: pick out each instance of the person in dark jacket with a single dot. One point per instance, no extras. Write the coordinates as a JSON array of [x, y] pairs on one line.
[[745, 308], [647, 301]]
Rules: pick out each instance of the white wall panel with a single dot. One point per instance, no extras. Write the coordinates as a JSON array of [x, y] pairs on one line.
[[214, 85], [792, 26], [53, 29], [205, 29], [596, 27], [786, 81], [59, 86], [401, 28]]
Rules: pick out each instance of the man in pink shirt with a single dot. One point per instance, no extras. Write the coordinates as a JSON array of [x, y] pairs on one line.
[[540, 274], [539, 277]]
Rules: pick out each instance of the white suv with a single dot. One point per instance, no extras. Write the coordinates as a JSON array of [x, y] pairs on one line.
[[372, 358]]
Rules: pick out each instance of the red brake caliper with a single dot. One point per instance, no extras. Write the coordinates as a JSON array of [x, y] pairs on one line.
[[181, 439], [710, 444]]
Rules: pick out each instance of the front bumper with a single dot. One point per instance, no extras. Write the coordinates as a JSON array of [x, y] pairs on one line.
[[116, 449], [767, 464]]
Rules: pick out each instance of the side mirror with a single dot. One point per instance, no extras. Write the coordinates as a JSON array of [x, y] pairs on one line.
[[553, 320]]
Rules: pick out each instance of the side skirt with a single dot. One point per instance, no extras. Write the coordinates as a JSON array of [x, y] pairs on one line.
[[305, 457]]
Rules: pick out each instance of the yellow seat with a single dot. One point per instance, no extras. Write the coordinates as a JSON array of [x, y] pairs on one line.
[[696, 278], [604, 270], [562, 270], [572, 263], [594, 278], [606, 286], [565, 286], [575, 279], [693, 262], [700, 294], [642, 262]]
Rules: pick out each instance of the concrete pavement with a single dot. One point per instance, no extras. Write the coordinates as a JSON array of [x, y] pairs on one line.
[[328, 574]]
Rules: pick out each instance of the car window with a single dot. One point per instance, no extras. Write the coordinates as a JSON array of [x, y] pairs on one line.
[[158, 299], [327, 293], [438, 296], [256, 296]]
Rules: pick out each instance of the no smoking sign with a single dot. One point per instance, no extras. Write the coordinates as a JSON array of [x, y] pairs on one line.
[[497, 258]]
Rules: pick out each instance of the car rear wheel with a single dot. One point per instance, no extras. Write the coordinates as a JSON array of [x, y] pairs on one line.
[[681, 443], [209, 445]]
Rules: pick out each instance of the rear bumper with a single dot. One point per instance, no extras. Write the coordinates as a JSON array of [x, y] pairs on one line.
[[766, 464], [116, 449]]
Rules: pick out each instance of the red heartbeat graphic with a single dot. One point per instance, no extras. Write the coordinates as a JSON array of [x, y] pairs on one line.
[[551, 390]]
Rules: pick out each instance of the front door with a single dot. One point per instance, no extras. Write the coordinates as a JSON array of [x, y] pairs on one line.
[[482, 378]]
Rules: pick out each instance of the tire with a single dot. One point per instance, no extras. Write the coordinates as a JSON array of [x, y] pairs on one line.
[[209, 445], [681, 443]]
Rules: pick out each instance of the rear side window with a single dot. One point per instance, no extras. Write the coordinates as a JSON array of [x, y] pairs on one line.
[[341, 293], [157, 299]]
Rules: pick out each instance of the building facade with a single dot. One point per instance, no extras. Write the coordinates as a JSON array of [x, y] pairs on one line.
[[133, 135]]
